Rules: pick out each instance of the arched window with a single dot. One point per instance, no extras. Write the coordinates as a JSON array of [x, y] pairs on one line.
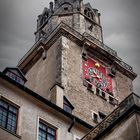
[[66, 7], [88, 12]]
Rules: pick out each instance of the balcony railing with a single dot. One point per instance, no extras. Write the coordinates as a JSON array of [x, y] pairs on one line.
[[126, 66], [107, 49], [48, 36], [123, 107], [99, 43]]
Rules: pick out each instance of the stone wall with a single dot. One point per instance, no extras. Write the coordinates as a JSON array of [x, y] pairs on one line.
[[30, 110], [126, 130], [77, 21], [55, 20], [64, 66], [93, 29], [45, 73], [123, 86], [83, 100], [4, 135]]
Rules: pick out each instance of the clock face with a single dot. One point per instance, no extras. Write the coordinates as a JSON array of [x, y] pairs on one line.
[[96, 74]]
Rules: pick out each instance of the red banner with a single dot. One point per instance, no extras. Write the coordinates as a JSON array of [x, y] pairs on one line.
[[97, 75]]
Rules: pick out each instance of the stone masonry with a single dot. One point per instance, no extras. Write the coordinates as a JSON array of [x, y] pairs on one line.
[[63, 65]]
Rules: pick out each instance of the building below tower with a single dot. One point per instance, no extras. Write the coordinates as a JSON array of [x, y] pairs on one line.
[[70, 85]]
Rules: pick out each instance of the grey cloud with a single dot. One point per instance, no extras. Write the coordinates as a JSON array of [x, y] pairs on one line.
[[119, 18]]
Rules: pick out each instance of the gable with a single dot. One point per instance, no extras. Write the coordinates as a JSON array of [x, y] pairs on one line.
[[87, 5], [16, 71]]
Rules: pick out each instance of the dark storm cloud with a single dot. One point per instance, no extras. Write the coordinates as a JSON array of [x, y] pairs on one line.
[[16, 30], [122, 31], [6, 21], [119, 18]]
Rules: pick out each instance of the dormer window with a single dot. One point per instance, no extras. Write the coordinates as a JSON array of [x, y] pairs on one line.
[[14, 77], [15, 74], [67, 106]]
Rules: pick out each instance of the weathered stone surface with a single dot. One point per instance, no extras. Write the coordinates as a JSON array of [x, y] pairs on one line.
[[128, 129], [83, 100], [30, 111], [123, 86], [64, 65], [45, 73]]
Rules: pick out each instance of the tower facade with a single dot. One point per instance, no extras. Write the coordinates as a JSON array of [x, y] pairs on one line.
[[71, 66], [69, 85]]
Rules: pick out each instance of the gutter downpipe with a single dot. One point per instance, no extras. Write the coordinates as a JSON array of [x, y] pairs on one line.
[[72, 124]]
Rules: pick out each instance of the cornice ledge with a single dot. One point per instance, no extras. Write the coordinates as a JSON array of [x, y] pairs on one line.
[[49, 39], [64, 30], [125, 69], [109, 53], [129, 105], [28, 54]]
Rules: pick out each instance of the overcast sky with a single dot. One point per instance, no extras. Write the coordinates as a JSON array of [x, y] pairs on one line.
[[119, 18]]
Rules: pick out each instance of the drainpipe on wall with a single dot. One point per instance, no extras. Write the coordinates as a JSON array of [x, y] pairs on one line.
[[72, 124]]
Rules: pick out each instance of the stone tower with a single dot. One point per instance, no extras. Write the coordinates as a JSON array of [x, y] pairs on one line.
[[70, 63]]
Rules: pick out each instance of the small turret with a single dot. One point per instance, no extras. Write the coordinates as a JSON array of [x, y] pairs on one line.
[[51, 7], [81, 17]]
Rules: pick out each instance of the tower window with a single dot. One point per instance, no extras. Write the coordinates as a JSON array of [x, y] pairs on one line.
[[101, 115], [103, 94], [66, 8], [109, 92], [89, 87], [90, 27], [46, 132], [95, 117], [111, 99], [97, 91], [88, 12], [8, 116]]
